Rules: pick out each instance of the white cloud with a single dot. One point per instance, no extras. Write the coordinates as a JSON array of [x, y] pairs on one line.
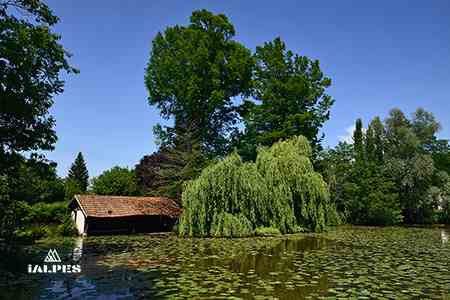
[[348, 137]]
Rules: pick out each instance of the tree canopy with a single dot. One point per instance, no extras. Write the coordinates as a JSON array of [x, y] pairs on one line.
[[196, 74], [289, 90], [116, 181], [31, 60], [193, 73]]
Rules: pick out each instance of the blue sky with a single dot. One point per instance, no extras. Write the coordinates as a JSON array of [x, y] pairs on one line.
[[379, 54]]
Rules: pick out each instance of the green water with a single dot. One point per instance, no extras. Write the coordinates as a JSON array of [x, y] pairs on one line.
[[362, 263]]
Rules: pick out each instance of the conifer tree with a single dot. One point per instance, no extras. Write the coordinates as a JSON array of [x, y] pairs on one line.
[[358, 141], [378, 135], [78, 172], [370, 144]]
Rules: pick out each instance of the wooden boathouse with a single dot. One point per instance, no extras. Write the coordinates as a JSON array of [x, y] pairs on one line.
[[94, 214]]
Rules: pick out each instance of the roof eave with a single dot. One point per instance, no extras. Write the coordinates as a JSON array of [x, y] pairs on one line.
[[75, 197]]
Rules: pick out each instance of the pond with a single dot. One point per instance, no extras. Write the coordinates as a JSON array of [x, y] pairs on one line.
[[349, 262]]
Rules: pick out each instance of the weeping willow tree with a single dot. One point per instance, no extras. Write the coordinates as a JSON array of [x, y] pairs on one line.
[[299, 196], [227, 196], [281, 190]]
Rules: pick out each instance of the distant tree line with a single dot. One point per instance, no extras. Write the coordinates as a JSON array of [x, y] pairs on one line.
[[394, 172]]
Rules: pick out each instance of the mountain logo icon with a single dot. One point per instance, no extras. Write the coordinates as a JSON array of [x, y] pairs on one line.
[[52, 256]]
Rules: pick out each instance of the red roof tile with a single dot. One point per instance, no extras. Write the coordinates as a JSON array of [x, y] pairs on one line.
[[120, 206]]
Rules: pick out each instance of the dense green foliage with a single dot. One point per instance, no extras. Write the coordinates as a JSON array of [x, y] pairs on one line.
[[48, 213], [300, 194], [281, 190], [71, 188], [289, 90], [30, 183], [229, 186], [359, 143], [78, 173], [193, 73], [388, 176], [192, 76], [34, 179], [31, 62], [116, 181], [67, 227], [13, 215]]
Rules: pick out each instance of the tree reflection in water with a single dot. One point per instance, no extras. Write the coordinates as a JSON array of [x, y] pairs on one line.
[[345, 263]]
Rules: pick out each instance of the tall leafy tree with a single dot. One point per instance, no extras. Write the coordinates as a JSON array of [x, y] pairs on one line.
[[78, 172], [290, 97], [409, 162], [193, 73], [425, 127], [401, 141], [31, 60]]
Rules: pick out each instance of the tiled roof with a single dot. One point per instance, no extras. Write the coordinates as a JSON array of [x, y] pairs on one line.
[[120, 206]]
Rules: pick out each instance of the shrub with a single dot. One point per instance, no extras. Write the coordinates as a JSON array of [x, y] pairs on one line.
[[48, 212], [14, 215], [267, 231], [32, 234], [67, 228]]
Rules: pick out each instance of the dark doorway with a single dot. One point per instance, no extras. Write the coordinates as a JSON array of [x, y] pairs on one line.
[[133, 224]]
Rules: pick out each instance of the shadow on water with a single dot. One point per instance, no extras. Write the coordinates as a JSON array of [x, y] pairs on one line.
[[350, 262], [269, 259], [94, 282], [129, 267]]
